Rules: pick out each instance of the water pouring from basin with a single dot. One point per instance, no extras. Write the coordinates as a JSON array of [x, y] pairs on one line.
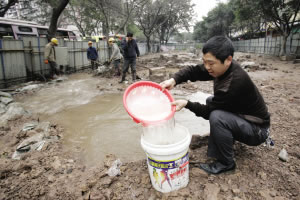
[[165, 143], [147, 104]]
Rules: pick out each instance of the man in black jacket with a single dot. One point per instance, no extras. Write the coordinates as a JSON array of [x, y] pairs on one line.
[[131, 51], [92, 55], [236, 111]]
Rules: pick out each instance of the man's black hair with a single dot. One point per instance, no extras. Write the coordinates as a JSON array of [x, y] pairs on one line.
[[219, 46], [129, 34]]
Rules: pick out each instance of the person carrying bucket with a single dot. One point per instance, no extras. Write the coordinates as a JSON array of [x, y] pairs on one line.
[[236, 111]]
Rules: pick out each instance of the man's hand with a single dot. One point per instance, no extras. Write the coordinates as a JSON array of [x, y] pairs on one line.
[[168, 84], [46, 61], [179, 104]]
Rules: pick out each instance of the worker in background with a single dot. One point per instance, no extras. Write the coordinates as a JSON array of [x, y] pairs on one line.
[[131, 51], [50, 57], [118, 41], [92, 55], [116, 56]]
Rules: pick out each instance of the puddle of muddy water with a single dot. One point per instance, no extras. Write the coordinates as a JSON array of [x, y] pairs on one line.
[[99, 128], [97, 124]]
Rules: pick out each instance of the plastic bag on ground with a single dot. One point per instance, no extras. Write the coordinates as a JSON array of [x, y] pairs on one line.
[[114, 170]]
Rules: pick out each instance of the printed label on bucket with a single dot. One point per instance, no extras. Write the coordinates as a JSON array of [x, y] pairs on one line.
[[171, 175]]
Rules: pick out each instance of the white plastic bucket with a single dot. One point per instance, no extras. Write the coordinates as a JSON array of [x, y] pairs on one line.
[[168, 165]]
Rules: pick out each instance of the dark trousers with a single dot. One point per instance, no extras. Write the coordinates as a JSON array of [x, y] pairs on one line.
[[94, 64], [129, 62], [225, 128], [53, 69], [116, 66]]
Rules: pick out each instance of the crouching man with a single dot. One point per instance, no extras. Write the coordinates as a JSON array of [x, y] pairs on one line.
[[236, 111]]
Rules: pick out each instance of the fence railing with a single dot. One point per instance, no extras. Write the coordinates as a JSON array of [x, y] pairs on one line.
[[269, 45], [23, 60]]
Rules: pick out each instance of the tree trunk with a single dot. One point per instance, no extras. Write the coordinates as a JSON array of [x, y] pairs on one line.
[[283, 45], [148, 44], [125, 30], [54, 18], [162, 35], [5, 8]]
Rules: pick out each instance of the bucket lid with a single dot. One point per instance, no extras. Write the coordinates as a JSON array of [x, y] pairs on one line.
[[146, 103]]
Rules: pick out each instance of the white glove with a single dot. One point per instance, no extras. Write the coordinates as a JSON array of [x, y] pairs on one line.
[[179, 104], [168, 84]]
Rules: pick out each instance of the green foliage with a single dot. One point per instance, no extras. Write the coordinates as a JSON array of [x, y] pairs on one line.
[[200, 31], [138, 34], [249, 18], [85, 16], [177, 15], [183, 37], [132, 28], [282, 13], [217, 22]]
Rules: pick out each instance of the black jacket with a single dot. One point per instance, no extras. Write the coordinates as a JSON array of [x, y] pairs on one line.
[[130, 49], [92, 53], [234, 92]]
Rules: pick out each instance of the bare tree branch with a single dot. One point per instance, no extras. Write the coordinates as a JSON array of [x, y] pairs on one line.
[[5, 8], [56, 11]]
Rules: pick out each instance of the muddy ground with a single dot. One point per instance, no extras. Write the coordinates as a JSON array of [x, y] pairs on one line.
[[54, 173]]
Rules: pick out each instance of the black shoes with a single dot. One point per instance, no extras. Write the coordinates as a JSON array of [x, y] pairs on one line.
[[122, 80], [216, 167]]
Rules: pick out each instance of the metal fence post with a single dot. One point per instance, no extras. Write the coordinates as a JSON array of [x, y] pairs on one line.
[[268, 45], [31, 56], [74, 56], [39, 48], [2, 64], [82, 55], [26, 67]]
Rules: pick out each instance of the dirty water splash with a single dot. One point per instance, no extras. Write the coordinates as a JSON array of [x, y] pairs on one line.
[[54, 98]]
